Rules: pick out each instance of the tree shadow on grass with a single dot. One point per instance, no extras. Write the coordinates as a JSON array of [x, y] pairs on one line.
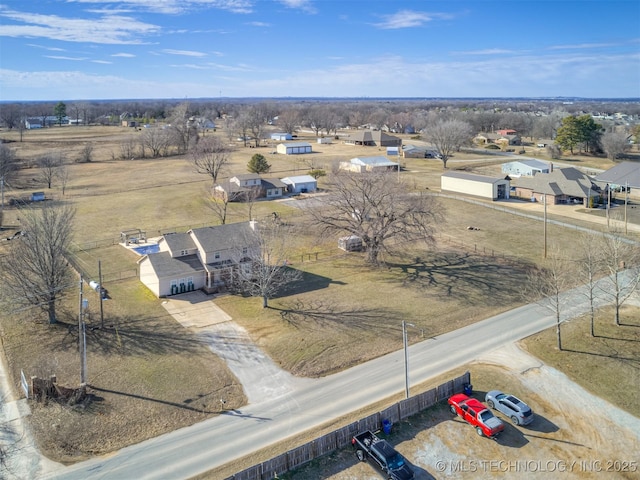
[[466, 277], [635, 362], [308, 282], [131, 336], [324, 312]]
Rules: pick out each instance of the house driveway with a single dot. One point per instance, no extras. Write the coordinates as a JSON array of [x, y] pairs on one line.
[[260, 377]]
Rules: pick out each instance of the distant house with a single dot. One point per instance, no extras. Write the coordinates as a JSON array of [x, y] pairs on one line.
[[369, 164], [301, 184], [324, 140], [281, 136], [129, 123], [562, 185], [33, 123], [200, 259], [528, 167], [240, 188], [497, 139], [478, 185], [373, 138], [392, 151]]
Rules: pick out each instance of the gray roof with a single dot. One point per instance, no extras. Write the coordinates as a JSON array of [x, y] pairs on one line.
[[179, 241], [222, 237], [166, 266], [297, 144], [378, 161], [562, 181], [625, 173], [247, 176], [472, 176], [273, 183], [299, 179]]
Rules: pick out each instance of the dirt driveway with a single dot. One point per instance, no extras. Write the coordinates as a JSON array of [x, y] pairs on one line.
[[575, 434]]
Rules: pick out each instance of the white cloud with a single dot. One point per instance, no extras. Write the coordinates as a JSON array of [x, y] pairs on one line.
[[106, 62], [125, 55], [581, 46], [59, 57], [305, 5], [52, 49], [108, 29], [178, 6], [259, 24], [186, 53], [488, 51], [409, 18]]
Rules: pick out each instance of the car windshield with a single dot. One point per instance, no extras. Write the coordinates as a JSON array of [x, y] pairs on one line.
[[396, 461]]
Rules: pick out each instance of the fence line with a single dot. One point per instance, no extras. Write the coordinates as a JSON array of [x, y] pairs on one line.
[[340, 438]]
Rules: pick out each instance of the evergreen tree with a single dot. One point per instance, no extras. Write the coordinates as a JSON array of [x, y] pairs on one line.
[[60, 111], [258, 164]]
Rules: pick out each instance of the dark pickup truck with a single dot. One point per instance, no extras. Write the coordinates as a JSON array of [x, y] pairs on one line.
[[394, 465]]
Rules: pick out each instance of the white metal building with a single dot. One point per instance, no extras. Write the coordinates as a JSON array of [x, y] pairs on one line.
[[476, 185], [293, 148], [300, 184]]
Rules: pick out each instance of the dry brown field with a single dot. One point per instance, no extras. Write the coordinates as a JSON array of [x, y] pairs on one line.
[[137, 365]]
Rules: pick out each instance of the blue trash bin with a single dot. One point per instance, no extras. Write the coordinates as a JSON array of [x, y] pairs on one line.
[[468, 389], [386, 426]]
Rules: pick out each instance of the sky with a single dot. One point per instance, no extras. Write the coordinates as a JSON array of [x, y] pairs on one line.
[[60, 50]]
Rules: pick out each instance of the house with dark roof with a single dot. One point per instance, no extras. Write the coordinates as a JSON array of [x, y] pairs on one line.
[[493, 188], [625, 174], [200, 259], [562, 185]]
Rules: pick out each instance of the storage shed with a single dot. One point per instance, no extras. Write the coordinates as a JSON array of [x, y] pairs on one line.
[[281, 136], [300, 184], [477, 185], [294, 148], [351, 243]]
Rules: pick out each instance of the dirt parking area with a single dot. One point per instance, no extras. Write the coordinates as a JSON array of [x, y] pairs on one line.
[[574, 435]]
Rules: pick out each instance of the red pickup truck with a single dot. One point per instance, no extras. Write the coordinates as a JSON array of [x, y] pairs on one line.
[[475, 413]]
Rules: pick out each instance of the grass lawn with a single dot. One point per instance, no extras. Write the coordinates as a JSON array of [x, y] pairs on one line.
[[149, 375]]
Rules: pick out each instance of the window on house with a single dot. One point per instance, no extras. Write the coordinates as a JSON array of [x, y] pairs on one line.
[[183, 252], [216, 255]]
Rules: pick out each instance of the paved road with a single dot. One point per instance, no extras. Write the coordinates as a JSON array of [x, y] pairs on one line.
[[218, 441]]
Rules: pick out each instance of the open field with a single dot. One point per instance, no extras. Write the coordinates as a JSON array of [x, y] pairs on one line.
[[342, 314]]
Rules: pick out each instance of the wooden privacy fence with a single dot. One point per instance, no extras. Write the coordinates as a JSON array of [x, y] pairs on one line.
[[293, 459]]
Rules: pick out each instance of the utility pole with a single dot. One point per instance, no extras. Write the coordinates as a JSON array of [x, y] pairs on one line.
[[545, 225], [626, 200], [82, 339], [100, 294]]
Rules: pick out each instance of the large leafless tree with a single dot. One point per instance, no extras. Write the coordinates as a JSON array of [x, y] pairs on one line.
[[266, 271], [35, 272], [48, 165], [377, 208], [615, 144], [210, 156], [447, 136]]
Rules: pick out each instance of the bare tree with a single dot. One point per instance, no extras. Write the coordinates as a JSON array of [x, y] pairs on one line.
[[620, 260], [211, 156], [36, 271], [86, 153], [264, 270], [49, 164], [128, 148], [447, 136], [250, 196], [588, 269], [377, 208], [219, 205], [288, 120], [615, 144], [63, 175], [157, 140], [10, 115], [256, 122], [183, 127], [8, 169], [546, 286]]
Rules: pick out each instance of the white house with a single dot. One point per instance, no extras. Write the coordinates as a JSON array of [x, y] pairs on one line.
[[528, 167], [369, 164], [294, 148], [301, 184], [477, 185], [324, 140], [202, 258]]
